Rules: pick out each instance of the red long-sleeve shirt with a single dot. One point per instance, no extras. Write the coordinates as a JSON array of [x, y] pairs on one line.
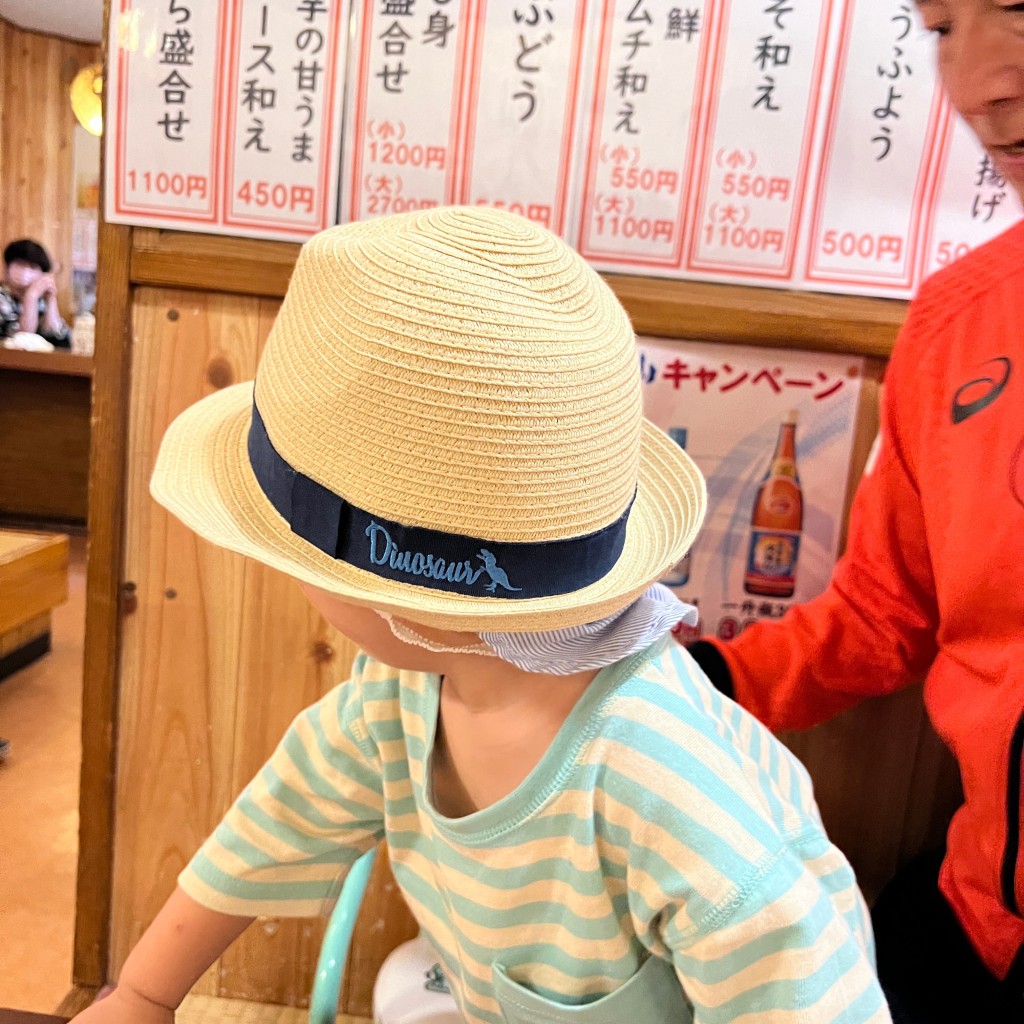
[[932, 582]]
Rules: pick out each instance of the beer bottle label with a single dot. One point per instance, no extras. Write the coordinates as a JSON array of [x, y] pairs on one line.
[[773, 556]]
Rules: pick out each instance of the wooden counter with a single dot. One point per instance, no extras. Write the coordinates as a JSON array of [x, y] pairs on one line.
[[59, 363], [201, 1010], [11, 1016], [45, 410]]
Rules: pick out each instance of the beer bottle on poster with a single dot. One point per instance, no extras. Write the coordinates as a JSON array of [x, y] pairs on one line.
[[679, 574], [777, 521]]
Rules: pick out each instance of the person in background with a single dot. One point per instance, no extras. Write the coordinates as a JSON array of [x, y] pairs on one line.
[[930, 584], [28, 295]]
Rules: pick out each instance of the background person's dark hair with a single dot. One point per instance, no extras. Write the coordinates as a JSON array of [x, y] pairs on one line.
[[27, 251]]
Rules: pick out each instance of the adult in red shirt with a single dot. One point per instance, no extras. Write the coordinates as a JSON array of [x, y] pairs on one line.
[[932, 582]]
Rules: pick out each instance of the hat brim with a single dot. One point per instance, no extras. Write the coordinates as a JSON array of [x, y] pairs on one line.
[[203, 477]]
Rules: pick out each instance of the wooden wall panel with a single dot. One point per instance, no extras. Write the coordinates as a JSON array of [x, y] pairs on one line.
[[694, 310], [219, 654], [36, 142], [288, 658], [182, 615], [885, 784], [104, 595]]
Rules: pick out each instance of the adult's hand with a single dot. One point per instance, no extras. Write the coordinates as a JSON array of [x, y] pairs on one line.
[[42, 286]]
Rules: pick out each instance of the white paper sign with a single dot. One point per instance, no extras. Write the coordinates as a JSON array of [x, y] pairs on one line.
[[766, 81], [529, 66], [640, 152], [164, 114], [225, 117], [869, 208], [973, 201], [409, 66], [786, 143], [283, 135]]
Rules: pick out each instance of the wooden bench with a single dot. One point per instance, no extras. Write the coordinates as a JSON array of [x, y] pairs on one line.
[[33, 580]]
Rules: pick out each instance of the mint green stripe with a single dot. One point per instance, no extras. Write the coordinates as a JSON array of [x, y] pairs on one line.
[[255, 890], [568, 958], [785, 994], [688, 830], [252, 853], [349, 767], [863, 1008], [794, 935], [284, 791]]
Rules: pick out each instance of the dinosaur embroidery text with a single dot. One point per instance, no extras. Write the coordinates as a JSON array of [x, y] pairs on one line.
[[384, 551]]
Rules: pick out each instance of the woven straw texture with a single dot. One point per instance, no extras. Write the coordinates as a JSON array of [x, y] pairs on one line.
[[459, 369]]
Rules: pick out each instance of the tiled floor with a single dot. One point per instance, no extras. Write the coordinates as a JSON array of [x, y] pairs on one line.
[[40, 713]]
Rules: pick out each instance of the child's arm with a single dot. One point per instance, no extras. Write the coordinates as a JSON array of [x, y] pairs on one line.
[[315, 807], [180, 944]]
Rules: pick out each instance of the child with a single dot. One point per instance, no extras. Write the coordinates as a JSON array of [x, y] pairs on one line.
[[445, 447]]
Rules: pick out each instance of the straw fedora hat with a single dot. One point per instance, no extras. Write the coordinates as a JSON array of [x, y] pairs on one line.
[[446, 424]]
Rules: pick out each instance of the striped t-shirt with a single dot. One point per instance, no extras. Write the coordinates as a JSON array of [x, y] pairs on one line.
[[663, 862]]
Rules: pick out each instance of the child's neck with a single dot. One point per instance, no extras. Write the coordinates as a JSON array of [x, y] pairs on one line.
[[493, 728]]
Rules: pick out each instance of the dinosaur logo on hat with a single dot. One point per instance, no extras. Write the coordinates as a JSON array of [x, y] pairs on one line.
[[495, 571]]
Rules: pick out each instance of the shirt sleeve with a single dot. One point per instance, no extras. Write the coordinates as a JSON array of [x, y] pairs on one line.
[[730, 875], [60, 338], [285, 846], [873, 630], [793, 944], [10, 318]]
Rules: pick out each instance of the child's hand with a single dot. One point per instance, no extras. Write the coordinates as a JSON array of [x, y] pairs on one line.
[[125, 1006]]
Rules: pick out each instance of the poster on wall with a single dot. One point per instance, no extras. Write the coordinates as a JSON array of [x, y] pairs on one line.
[[772, 431], [769, 143]]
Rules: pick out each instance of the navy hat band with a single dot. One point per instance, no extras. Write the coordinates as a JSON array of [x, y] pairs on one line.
[[424, 557]]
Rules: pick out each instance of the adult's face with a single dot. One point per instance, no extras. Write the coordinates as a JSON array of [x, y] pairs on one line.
[[981, 63]]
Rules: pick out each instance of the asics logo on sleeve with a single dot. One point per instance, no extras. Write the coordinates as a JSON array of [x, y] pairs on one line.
[[967, 401]]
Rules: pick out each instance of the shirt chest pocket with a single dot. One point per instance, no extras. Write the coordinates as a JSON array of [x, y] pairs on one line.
[[652, 996]]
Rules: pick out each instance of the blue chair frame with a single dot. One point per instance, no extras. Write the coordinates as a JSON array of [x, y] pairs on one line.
[[330, 967]]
